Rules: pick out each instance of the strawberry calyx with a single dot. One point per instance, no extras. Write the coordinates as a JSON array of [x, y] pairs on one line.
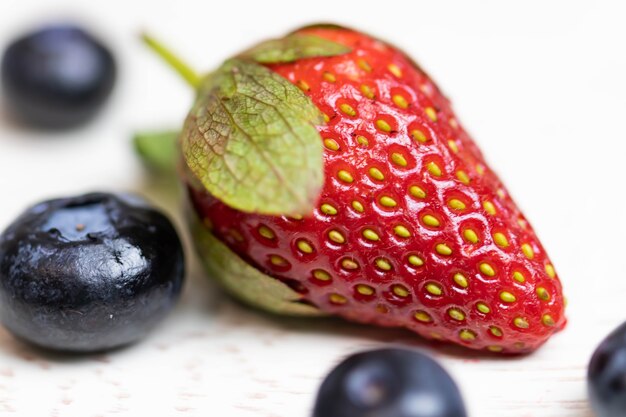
[[219, 90], [250, 137]]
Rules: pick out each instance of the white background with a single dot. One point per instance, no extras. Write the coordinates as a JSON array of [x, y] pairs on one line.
[[540, 84]]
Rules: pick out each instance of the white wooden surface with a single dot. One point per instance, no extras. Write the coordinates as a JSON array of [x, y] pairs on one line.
[[540, 84]]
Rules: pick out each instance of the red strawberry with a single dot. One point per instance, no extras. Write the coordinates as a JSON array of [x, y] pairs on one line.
[[412, 229]]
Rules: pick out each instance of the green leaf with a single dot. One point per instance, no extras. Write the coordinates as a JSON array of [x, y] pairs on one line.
[[158, 150], [250, 140], [246, 282], [294, 47]]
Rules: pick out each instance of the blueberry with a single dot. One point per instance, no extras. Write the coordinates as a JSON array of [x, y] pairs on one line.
[[389, 383], [88, 273], [607, 375], [57, 77]]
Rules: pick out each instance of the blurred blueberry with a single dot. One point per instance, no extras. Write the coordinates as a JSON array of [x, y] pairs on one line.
[[57, 77], [389, 383]]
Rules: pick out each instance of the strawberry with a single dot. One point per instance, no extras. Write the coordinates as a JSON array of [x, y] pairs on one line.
[[411, 228]]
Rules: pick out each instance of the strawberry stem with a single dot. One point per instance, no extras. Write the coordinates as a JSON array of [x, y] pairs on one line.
[[184, 70]]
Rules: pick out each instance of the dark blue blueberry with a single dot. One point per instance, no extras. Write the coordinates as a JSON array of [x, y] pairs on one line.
[[88, 273], [57, 77], [389, 383], [607, 376]]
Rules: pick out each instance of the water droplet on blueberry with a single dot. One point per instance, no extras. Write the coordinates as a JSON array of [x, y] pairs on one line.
[[389, 383], [57, 77], [88, 273], [607, 375]]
